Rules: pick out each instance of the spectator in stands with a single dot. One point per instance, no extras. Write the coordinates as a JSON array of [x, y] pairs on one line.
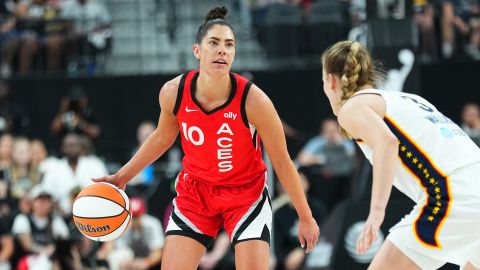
[[38, 231], [290, 255], [144, 130], [13, 117], [88, 149], [146, 176], [71, 171], [8, 37], [39, 152], [471, 121], [424, 14], [329, 160], [330, 150], [6, 144], [144, 238], [75, 115], [40, 158], [91, 26], [21, 174], [39, 26], [461, 15], [18, 178]]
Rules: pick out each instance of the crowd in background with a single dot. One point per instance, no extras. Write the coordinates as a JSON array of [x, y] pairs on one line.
[[66, 35], [51, 35], [446, 28]]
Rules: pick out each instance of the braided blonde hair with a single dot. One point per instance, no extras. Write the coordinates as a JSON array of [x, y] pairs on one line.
[[351, 72], [353, 64]]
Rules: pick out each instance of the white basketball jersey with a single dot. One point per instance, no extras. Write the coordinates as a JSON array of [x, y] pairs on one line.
[[431, 146]]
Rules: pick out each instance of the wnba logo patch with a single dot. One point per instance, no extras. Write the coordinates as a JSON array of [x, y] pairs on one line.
[[88, 228]]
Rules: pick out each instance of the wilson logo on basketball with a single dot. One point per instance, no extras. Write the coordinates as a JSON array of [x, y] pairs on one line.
[[90, 229]]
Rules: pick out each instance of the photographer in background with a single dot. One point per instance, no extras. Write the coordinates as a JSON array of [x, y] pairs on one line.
[[75, 115]]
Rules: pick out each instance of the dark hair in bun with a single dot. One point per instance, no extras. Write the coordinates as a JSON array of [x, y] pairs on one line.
[[216, 13], [215, 16]]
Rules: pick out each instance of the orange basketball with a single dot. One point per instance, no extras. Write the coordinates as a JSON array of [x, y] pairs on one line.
[[101, 212]]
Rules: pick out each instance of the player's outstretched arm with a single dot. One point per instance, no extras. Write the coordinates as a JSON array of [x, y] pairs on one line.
[[362, 117], [157, 143], [262, 114]]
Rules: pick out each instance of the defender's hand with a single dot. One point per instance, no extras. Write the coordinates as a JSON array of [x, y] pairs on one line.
[[370, 231]]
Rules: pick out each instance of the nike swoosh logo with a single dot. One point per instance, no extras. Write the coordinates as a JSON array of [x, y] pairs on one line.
[[190, 110]]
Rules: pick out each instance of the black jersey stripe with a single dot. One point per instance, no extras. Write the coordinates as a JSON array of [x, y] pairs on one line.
[[243, 111], [254, 139], [179, 94]]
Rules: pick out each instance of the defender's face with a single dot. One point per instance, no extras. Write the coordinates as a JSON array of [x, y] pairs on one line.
[[327, 84], [217, 49], [332, 89]]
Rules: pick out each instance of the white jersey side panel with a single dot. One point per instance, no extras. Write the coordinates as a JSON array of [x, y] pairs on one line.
[[431, 149]]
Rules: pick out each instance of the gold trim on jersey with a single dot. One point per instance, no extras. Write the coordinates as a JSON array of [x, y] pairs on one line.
[[432, 180]]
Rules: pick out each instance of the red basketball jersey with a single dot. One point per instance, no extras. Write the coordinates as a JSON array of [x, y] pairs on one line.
[[220, 146]]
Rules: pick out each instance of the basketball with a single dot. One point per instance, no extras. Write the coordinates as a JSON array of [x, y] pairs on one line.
[[101, 212]]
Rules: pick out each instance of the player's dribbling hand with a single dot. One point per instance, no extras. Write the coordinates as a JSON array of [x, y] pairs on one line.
[[370, 231], [112, 179], [308, 233]]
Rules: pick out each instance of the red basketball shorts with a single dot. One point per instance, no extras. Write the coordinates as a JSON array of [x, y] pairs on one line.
[[200, 210]]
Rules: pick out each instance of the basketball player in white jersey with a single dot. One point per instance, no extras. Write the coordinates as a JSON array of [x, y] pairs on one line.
[[418, 150]]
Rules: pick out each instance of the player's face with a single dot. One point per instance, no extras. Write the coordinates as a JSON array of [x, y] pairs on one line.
[[217, 50], [327, 83], [331, 88]]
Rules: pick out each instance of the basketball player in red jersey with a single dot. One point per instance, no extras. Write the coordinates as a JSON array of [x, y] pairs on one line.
[[220, 117]]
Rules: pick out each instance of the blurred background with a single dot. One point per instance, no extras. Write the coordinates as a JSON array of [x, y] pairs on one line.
[[79, 93]]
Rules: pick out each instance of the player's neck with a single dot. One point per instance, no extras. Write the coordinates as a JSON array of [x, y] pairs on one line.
[[365, 86], [213, 87]]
